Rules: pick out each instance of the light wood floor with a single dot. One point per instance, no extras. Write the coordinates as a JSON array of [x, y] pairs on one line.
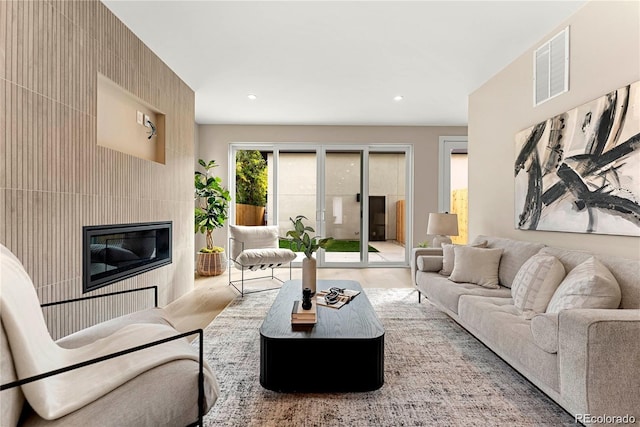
[[211, 295]]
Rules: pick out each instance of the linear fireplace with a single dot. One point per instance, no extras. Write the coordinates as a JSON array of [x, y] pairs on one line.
[[115, 252]]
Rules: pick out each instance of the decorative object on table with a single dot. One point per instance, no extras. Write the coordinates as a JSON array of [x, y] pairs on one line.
[[301, 241], [580, 171], [306, 299], [210, 213], [442, 225], [336, 297], [304, 316]]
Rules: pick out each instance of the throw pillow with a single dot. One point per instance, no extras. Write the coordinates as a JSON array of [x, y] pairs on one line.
[[535, 283], [429, 263], [589, 285], [476, 265], [448, 256], [544, 329]]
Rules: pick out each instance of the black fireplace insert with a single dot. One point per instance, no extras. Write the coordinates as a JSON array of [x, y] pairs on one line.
[[115, 252]]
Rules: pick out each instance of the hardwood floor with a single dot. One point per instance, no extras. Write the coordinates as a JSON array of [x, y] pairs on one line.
[[210, 295]]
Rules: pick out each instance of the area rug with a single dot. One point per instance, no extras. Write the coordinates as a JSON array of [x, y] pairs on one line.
[[435, 374]]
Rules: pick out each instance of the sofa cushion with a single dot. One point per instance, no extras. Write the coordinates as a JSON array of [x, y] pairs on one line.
[[626, 271], [429, 263], [497, 323], [476, 265], [535, 283], [589, 285], [544, 328], [448, 256], [515, 253], [445, 294]]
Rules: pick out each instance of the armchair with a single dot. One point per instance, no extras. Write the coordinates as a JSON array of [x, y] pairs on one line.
[[133, 370], [256, 248]]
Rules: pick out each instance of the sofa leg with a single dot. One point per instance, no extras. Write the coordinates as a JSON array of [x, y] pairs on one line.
[[419, 297]]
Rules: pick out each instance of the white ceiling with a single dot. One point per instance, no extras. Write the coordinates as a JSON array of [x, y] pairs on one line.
[[338, 62]]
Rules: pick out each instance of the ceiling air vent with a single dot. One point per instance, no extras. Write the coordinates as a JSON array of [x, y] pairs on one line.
[[551, 68]]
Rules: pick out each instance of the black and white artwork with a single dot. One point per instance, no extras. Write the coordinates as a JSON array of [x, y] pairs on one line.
[[580, 171]]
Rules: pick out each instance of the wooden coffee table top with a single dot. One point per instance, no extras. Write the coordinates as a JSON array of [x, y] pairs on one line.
[[356, 320]]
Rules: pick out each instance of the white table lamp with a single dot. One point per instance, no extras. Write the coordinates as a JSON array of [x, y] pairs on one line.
[[442, 225]]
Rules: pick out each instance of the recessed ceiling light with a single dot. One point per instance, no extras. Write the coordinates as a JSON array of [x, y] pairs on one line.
[[398, 98], [252, 97]]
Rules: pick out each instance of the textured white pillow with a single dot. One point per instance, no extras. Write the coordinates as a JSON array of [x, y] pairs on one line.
[[589, 285], [448, 256], [535, 284], [248, 237], [476, 265], [263, 258]]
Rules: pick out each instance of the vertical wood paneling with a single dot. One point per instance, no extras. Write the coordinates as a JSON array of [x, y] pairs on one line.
[[55, 178], [4, 21]]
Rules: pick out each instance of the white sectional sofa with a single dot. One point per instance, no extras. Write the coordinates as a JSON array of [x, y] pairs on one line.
[[587, 360]]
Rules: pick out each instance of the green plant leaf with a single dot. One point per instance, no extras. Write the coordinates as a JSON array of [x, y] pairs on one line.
[[211, 198]]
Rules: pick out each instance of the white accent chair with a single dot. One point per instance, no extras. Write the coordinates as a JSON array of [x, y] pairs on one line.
[[132, 370], [256, 248]]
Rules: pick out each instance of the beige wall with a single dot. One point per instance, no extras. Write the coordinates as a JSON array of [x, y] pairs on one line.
[[604, 55], [214, 143], [55, 178]]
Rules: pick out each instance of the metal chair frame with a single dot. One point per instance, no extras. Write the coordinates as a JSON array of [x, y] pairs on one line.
[[234, 283]]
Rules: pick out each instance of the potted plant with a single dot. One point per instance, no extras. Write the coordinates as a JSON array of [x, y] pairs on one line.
[[212, 202], [301, 241]]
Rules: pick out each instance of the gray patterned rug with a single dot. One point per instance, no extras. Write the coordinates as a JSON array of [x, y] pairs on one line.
[[435, 374]]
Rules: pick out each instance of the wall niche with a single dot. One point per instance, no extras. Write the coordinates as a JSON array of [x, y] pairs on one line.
[[123, 123]]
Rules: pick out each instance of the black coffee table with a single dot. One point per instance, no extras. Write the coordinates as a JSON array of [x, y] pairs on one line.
[[343, 351]]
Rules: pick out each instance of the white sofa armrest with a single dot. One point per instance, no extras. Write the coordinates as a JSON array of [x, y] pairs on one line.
[[599, 356]]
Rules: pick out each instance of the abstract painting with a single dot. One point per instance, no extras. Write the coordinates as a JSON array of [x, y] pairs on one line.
[[580, 171]]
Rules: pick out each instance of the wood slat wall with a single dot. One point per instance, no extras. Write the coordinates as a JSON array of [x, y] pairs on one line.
[[54, 177]]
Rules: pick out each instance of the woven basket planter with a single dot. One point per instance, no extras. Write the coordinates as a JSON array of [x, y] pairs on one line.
[[211, 264]]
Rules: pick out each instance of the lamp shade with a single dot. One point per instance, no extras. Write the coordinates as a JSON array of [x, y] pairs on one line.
[[443, 224]]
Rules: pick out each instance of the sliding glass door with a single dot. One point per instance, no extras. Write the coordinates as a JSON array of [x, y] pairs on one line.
[[356, 194], [387, 206], [343, 206], [297, 189]]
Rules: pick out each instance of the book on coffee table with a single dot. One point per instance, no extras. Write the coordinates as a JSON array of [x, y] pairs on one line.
[[343, 298], [304, 317]]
